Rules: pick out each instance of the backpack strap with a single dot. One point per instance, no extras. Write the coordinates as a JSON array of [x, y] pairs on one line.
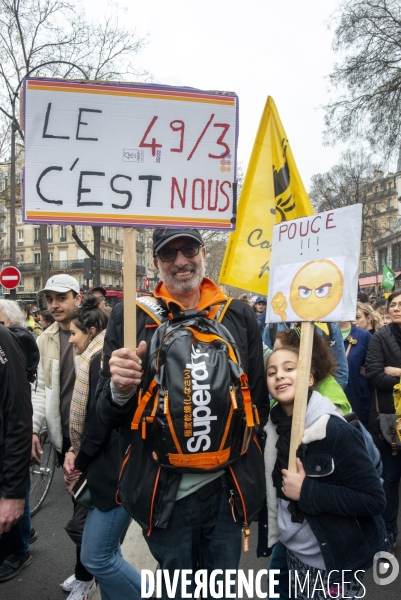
[[217, 311], [153, 309], [142, 402]]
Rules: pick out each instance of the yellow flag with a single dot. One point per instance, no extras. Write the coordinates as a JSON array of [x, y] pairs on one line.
[[272, 192]]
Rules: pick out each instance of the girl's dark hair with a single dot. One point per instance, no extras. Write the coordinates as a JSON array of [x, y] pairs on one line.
[[90, 315], [323, 363]]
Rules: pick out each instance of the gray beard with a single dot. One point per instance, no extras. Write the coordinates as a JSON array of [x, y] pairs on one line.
[[183, 287]]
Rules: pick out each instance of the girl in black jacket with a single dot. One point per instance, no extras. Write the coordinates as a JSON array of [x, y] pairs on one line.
[[326, 514]]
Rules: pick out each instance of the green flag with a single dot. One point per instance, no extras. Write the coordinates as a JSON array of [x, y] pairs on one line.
[[388, 278]]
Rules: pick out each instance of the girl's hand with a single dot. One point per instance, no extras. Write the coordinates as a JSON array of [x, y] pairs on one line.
[[394, 371], [70, 473], [292, 482]]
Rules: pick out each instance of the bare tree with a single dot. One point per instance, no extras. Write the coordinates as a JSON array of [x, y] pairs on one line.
[[53, 38], [96, 251], [350, 182], [368, 77]]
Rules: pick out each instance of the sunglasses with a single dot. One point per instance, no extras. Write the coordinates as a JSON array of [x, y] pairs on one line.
[[170, 254]]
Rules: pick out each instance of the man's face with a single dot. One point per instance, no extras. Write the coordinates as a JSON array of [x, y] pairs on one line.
[[260, 307], [183, 274], [62, 304], [102, 299]]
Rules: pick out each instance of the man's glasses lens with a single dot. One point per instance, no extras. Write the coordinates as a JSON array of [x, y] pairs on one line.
[[170, 254]]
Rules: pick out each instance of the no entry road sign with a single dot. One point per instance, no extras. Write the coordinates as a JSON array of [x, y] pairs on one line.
[[10, 278]]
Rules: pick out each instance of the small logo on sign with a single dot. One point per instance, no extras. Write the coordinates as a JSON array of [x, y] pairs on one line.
[[133, 156]]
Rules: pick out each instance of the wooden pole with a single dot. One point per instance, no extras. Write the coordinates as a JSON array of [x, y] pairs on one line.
[[129, 288], [301, 392]]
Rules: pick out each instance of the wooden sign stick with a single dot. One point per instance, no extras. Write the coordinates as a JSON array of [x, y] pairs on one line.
[[129, 288], [301, 392]]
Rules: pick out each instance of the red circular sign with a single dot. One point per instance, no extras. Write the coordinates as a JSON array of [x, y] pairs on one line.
[[147, 282], [10, 278]]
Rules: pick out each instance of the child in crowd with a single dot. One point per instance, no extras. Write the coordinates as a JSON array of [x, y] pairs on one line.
[[327, 514]]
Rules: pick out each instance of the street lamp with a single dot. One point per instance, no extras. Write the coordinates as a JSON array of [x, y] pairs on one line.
[[14, 129]]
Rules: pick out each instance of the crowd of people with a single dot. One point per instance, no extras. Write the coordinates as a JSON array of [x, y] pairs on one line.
[[189, 433]]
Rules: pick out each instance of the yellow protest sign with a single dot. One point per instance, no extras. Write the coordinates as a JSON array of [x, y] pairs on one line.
[[272, 192]]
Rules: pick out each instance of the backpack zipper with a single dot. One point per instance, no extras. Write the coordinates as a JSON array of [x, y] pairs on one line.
[[152, 503], [246, 532]]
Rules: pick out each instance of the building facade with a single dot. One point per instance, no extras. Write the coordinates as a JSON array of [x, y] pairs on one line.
[[381, 235]]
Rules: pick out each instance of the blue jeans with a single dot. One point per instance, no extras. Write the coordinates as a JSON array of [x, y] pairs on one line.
[[391, 481], [278, 561], [24, 524], [101, 554], [201, 534]]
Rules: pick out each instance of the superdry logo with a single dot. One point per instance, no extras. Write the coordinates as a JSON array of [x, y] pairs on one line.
[[200, 397], [3, 358], [156, 308]]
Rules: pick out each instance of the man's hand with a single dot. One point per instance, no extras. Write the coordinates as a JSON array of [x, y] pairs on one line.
[[10, 512], [36, 449], [292, 482], [126, 367]]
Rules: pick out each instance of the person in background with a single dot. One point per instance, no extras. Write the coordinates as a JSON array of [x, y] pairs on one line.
[[45, 319], [383, 371], [385, 315], [30, 322], [99, 292], [260, 305], [244, 298], [15, 453], [367, 318], [358, 390], [363, 297], [260, 310]]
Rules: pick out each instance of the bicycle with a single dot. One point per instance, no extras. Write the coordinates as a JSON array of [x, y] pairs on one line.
[[42, 475]]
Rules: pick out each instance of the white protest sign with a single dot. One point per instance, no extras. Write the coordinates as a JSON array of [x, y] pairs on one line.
[[314, 267], [129, 154]]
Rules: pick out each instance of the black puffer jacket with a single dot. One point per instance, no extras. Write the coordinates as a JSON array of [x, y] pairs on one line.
[[15, 418], [383, 351], [147, 492]]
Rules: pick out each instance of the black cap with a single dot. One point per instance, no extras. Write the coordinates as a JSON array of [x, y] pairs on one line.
[[162, 236], [98, 289], [260, 299]]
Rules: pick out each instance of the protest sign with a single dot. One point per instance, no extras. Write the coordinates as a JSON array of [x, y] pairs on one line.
[[313, 277], [129, 154], [314, 267]]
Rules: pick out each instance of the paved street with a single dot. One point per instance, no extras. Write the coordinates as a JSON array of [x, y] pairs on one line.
[[54, 554]]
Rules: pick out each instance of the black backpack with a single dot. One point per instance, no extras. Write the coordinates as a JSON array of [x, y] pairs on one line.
[[29, 350], [194, 409]]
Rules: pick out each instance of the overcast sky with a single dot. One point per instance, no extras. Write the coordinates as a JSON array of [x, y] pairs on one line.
[[255, 48]]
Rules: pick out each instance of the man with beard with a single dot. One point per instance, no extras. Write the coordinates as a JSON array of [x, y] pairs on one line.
[[190, 520]]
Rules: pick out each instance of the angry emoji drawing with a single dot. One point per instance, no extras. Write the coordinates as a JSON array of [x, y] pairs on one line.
[[315, 291]]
